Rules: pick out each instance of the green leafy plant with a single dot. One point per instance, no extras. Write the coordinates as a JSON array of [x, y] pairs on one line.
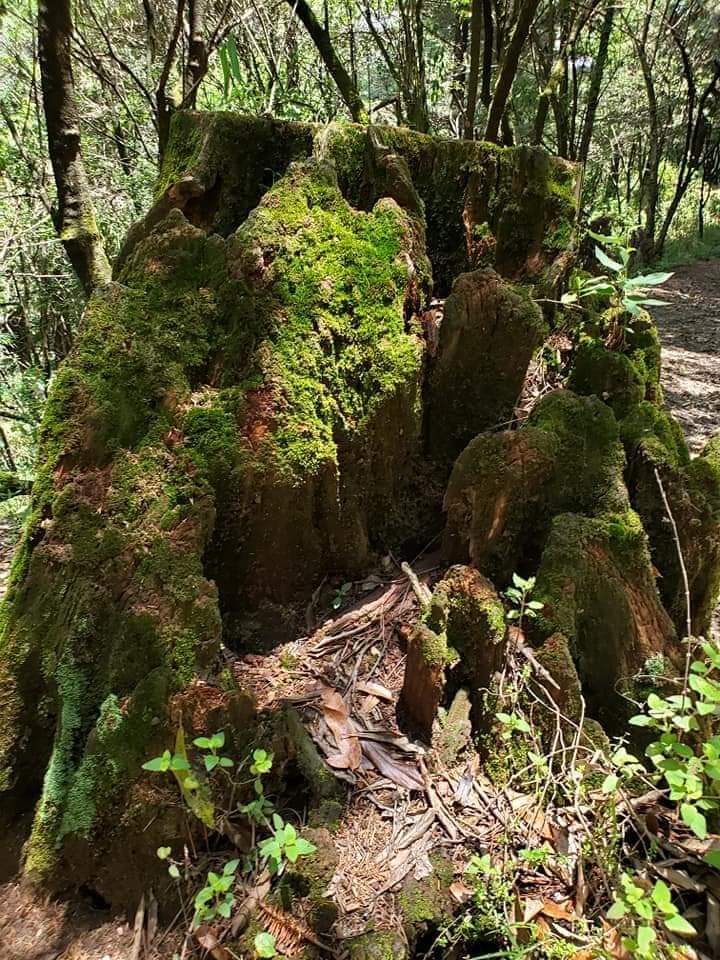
[[173, 869], [216, 898], [691, 770], [284, 844], [341, 595], [519, 598], [265, 945], [625, 291], [167, 761], [643, 913], [212, 758], [260, 808]]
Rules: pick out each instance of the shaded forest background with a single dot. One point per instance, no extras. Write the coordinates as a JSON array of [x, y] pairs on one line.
[[628, 90]]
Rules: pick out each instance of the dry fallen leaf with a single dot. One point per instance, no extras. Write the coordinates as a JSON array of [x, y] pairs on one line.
[[335, 713], [460, 892], [559, 911], [207, 939]]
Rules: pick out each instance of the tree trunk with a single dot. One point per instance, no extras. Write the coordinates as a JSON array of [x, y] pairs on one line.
[[75, 217], [596, 82], [474, 71], [197, 59], [321, 38], [508, 69]]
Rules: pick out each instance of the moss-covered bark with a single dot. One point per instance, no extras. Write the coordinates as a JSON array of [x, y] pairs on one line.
[[489, 332]]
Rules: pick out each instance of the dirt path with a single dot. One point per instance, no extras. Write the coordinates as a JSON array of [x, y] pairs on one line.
[[690, 330]]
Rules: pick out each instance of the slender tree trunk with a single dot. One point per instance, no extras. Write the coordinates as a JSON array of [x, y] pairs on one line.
[[596, 82], [509, 68], [197, 59], [75, 216], [488, 29], [476, 15], [321, 38]]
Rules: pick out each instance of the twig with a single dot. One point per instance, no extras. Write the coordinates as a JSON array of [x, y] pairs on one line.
[[686, 582], [419, 589]]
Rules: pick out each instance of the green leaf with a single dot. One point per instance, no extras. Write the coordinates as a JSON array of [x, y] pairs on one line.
[[225, 909], [607, 261], [292, 852], [225, 70], [661, 894], [218, 740], [265, 945], [712, 857], [174, 872], [646, 936], [632, 308], [164, 852], [202, 742], [694, 819], [230, 867], [610, 783], [278, 821], [304, 847], [640, 720], [211, 762], [617, 911], [158, 764], [678, 924], [179, 762], [233, 58], [226, 762], [648, 280]]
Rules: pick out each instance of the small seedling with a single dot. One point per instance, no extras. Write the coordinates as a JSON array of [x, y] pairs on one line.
[[340, 595], [284, 844], [518, 595], [168, 761], [212, 758], [216, 898]]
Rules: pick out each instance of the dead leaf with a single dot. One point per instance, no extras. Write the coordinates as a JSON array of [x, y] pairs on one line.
[[612, 941], [375, 689], [460, 892], [399, 771], [559, 911], [531, 908], [207, 939], [335, 714]]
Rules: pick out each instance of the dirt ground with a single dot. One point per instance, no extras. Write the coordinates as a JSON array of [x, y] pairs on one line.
[[36, 929], [690, 330]]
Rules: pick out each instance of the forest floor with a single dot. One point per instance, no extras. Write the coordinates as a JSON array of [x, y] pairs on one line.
[[690, 331], [38, 929]]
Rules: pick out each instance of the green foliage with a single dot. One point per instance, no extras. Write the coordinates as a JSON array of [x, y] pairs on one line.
[[686, 753], [212, 758], [519, 596], [641, 914], [618, 288], [265, 945], [216, 898], [284, 844]]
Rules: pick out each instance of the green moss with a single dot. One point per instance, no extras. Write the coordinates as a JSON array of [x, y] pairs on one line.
[[378, 945], [653, 429]]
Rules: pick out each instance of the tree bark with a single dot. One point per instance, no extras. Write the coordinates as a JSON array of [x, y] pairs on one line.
[[75, 216], [595, 82], [197, 59], [509, 69], [473, 75], [321, 38]]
